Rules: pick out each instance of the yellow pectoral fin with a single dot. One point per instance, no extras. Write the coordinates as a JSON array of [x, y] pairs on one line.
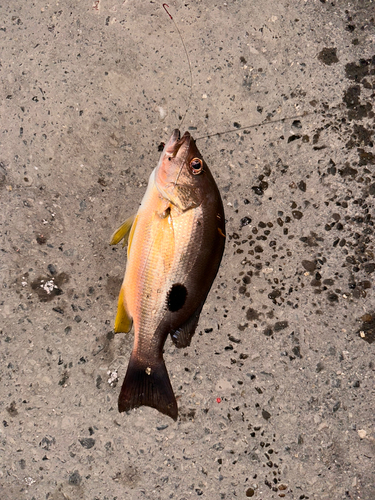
[[123, 231], [123, 323]]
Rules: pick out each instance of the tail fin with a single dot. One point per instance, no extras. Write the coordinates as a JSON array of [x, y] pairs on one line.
[[147, 385]]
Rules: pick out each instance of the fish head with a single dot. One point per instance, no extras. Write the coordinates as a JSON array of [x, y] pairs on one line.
[[182, 176]]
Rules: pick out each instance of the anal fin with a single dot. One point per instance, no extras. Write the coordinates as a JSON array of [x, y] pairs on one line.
[[147, 384], [182, 336], [123, 322]]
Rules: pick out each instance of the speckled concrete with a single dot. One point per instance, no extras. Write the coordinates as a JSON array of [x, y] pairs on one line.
[[276, 392]]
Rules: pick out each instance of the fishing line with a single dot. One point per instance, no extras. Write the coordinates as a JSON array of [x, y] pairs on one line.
[[270, 122], [238, 129], [188, 60], [182, 164]]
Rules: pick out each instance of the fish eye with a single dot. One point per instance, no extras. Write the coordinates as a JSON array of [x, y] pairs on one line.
[[196, 166]]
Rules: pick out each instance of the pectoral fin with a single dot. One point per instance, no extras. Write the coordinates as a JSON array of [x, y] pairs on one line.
[[122, 232], [123, 322], [183, 335]]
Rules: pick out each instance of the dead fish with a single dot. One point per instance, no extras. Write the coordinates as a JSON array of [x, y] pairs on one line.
[[175, 245]]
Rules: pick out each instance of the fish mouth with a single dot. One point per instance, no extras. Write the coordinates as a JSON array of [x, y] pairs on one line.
[[177, 146], [172, 161]]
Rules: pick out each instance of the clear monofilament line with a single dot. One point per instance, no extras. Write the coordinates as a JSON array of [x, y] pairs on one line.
[[188, 60]]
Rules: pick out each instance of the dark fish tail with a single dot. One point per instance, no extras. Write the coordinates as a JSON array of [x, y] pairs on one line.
[[147, 384]]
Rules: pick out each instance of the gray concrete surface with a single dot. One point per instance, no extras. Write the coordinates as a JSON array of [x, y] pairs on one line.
[[88, 91]]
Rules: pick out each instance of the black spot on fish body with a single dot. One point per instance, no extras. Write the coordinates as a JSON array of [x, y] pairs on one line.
[[176, 297]]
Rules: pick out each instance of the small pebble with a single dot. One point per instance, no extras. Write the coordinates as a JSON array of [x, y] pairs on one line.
[[87, 442]]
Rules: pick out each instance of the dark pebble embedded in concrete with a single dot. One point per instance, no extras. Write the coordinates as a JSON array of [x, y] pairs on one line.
[[252, 314], [369, 268], [162, 427], [348, 171], [268, 332], [58, 310], [47, 442], [12, 409], [245, 221], [75, 478], [297, 214], [315, 282], [41, 239], [332, 297], [234, 339], [336, 407], [280, 325], [274, 294], [257, 190], [266, 415], [87, 442], [293, 137], [52, 269], [319, 367], [297, 351], [64, 378]]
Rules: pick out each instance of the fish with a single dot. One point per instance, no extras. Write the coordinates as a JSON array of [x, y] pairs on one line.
[[175, 245]]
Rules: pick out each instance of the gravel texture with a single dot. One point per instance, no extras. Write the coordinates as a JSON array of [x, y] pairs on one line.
[[276, 392]]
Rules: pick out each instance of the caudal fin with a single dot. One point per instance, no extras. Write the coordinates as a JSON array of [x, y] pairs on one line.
[[147, 385]]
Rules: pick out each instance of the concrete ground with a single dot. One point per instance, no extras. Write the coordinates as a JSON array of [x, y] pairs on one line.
[[276, 392]]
